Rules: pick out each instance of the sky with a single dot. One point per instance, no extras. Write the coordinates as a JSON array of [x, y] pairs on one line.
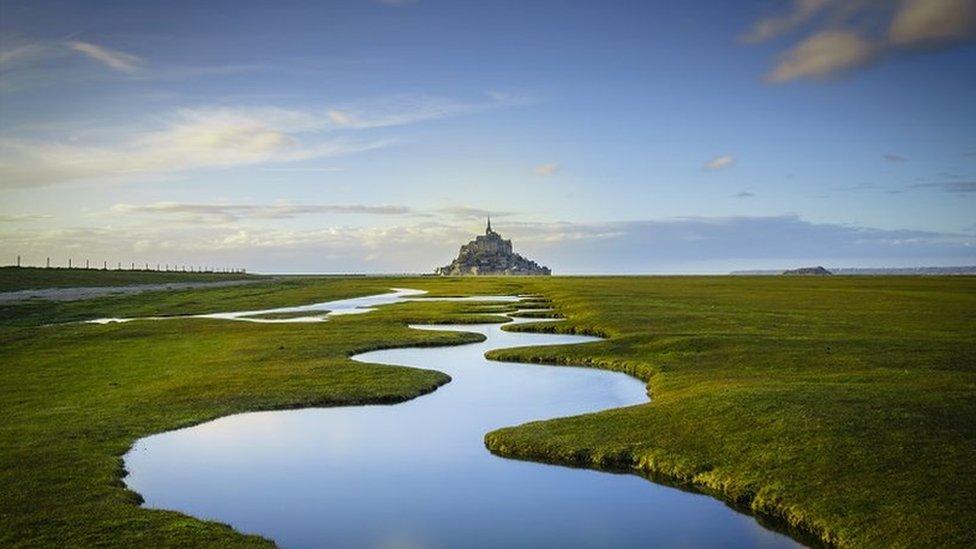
[[376, 135]]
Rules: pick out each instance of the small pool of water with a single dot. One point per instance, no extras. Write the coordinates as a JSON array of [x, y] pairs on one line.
[[417, 474]]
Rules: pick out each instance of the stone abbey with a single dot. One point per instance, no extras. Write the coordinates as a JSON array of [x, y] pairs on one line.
[[490, 254]]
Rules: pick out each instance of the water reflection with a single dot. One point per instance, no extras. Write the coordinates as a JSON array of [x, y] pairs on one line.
[[417, 474]]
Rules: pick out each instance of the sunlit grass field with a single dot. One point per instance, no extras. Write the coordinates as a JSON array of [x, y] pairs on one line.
[[844, 405]]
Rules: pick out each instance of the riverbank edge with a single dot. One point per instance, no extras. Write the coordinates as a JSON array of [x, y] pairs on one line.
[[781, 516], [461, 338]]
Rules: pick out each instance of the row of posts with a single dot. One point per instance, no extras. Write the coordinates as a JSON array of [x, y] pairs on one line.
[[160, 267]]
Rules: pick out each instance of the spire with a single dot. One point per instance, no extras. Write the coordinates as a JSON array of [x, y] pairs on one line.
[[488, 230]]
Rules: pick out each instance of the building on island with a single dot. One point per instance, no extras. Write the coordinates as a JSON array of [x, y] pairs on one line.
[[490, 254]]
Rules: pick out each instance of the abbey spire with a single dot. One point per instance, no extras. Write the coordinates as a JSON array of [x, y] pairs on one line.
[[491, 254]]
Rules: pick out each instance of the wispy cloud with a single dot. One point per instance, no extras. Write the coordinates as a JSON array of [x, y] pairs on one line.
[[22, 218], [743, 194], [118, 60], [468, 213], [546, 169], [622, 247], [894, 158], [843, 36], [28, 63], [196, 212], [194, 138], [826, 54], [932, 22], [399, 110], [719, 162], [777, 25], [221, 137], [948, 186]]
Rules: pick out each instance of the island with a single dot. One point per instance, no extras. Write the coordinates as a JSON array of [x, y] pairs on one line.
[[490, 254]]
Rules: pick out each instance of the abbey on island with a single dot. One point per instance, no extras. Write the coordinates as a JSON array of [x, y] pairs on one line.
[[490, 254]]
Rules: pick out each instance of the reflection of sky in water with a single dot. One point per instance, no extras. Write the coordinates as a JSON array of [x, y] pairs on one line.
[[351, 306], [417, 474]]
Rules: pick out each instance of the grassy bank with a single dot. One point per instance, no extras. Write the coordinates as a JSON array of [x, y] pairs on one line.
[[32, 278], [846, 406], [75, 397]]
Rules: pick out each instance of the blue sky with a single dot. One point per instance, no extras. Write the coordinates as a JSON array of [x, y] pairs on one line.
[[604, 136]]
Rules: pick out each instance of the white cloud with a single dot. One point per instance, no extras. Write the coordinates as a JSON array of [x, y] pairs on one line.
[[621, 247], [194, 138], [824, 55], [927, 22], [399, 110], [115, 59], [719, 162], [16, 50], [546, 169], [844, 35], [206, 213], [217, 138], [771, 27]]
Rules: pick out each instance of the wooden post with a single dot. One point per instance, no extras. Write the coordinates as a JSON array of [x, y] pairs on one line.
[[86, 263], [48, 266], [18, 261], [104, 265]]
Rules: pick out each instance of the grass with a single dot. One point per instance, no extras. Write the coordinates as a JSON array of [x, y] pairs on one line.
[[845, 406], [75, 397], [32, 278]]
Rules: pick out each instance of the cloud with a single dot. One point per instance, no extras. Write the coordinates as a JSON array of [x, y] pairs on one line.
[[115, 59], [858, 187], [719, 162], [191, 139], [824, 55], [399, 110], [22, 218], [932, 22], [894, 158], [546, 169], [468, 213], [16, 50], [188, 212], [844, 35], [194, 138], [665, 245], [743, 194], [948, 186], [236, 212], [772, 27]]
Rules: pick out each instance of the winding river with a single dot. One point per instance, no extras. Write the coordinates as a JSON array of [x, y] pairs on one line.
[[417, 474]]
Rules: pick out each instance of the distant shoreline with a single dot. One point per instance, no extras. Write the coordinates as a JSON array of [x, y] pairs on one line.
[[875, 271]]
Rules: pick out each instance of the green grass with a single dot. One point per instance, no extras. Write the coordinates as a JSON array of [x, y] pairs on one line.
[[32, 278], [75, 397], [843, 405]]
